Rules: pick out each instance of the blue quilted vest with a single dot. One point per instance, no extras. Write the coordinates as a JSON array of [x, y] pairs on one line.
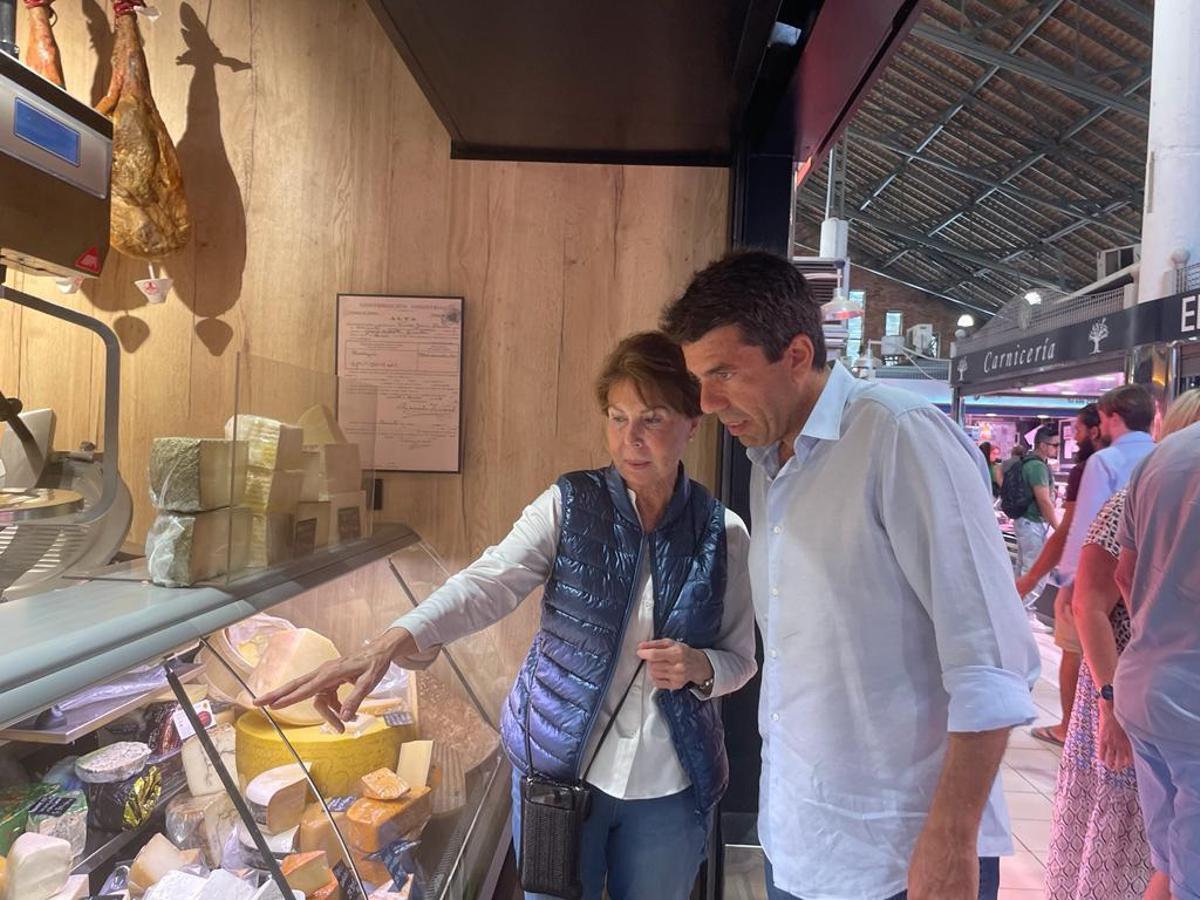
[[556, 701]]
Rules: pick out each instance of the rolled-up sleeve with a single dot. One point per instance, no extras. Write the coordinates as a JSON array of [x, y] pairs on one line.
[[732, 656], [935, 503], [495, 584]]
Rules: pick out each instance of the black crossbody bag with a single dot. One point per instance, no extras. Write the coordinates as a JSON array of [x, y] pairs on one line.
[[552, 817]]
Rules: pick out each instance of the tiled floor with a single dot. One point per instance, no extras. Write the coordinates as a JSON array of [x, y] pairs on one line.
[[1030, 770]]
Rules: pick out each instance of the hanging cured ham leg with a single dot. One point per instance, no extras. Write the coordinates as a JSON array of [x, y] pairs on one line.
[[150, 217], [41, 50]]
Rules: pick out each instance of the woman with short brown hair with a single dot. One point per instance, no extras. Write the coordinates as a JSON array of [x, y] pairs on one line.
[[646, 620]]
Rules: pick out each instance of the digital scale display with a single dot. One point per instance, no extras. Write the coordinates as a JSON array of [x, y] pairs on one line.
[[46, 132]]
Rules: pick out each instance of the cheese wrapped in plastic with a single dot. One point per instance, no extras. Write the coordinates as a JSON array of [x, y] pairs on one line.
[[183, 548], [62, 814], [288, 655], [189, 474]]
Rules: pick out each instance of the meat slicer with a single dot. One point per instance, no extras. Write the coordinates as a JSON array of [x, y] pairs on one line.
[[60, 512]]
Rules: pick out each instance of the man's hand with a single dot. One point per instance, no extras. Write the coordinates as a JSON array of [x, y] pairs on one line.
[[673, 665], [364, 669], [1025, 586], [1114, 748], [944, 867], [945, 862]]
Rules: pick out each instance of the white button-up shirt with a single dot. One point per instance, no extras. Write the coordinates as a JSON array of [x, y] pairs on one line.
[[638, 760], [889, 618]]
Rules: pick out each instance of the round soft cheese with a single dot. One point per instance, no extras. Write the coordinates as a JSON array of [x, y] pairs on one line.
[[338, 760]]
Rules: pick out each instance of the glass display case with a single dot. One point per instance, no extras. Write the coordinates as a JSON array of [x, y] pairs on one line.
[[105, 786]]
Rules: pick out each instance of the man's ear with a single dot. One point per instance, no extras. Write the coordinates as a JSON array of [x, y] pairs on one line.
[[799, 356]]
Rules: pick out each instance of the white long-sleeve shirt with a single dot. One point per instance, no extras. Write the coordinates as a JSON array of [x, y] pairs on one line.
[[889, 617], [638, 760]]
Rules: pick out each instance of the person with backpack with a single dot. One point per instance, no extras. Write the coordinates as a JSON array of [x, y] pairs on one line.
[[1026, 497]]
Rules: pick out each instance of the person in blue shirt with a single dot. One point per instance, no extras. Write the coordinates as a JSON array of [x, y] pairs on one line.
[[897, 656]]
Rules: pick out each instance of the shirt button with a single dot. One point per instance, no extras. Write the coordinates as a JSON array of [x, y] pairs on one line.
[[774, 654], [774, 592], [774, 717], [777, 530]]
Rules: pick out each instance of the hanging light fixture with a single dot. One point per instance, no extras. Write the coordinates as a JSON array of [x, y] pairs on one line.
[[966, 320], [841, 307], [1033, 298]]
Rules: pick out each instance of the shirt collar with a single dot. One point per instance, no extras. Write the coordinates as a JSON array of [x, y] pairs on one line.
[[824, 423], [1134, 437]]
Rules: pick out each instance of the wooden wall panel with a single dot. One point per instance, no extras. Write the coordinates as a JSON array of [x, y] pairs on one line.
[[314, 165]]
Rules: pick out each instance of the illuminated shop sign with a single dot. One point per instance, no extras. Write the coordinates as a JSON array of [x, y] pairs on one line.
[[1169, 319]]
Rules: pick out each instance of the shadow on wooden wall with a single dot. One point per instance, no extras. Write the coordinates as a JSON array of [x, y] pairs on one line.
[[211, 282]]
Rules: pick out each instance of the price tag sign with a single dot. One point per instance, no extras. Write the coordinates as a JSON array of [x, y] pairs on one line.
[[183, 725]]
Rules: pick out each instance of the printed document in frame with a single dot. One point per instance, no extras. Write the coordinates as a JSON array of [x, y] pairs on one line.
[[409, 349]]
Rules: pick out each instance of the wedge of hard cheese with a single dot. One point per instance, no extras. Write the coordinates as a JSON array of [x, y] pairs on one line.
[[155, 860], [317, 831], [415, 759], [271, 539], [308, 872], [374, 824], [184, 548], [383, 784], [272, 444], [38, 866], [277, 798], [271, 490], [202, 778], [331, 469], [320, 426], [190, 474]]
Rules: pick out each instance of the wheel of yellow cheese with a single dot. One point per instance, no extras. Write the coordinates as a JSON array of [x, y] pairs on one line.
[[338, 760]]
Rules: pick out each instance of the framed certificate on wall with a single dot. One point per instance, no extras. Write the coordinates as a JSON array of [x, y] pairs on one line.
[[399, 367]]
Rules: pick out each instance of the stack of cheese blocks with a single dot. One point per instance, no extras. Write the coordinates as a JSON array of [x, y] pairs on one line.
[[200, 532], [331, 493], [274, 477], [394, 806]]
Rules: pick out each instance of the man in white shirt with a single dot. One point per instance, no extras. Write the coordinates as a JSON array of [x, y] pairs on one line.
[[897, 653]]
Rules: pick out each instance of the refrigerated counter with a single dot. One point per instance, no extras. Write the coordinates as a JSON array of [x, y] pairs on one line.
[[104, 684]]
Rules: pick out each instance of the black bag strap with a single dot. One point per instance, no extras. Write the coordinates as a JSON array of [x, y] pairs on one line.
[[603, 736], [613, 720]]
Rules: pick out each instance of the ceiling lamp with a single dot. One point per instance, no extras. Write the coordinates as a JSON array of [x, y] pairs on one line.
[[841, 307], [966, 320], [1033, 298]]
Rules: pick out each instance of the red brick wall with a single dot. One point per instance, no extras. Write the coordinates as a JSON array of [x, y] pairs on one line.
[[883, 295]]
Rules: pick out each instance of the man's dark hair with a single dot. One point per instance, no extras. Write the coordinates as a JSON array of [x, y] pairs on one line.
[[764, 295], [1132, 403], [1089, 415], [1045, 434]]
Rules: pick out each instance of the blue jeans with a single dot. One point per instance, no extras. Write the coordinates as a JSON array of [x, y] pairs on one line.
[[1168, 782], [989, 882], [640, 848], [1031, 538]]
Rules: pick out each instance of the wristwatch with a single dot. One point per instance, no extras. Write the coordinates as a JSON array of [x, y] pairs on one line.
[[1105, 692], [704, 687]]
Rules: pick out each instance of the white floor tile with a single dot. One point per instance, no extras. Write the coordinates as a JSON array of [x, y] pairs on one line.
[[1023, 872], [1033, 807]]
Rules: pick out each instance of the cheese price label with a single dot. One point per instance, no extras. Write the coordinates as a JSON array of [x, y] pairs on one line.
[[398, 719], [53, 806], [305, 540], [346, 881], [183, 725], [340, 804], [348, 524]]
